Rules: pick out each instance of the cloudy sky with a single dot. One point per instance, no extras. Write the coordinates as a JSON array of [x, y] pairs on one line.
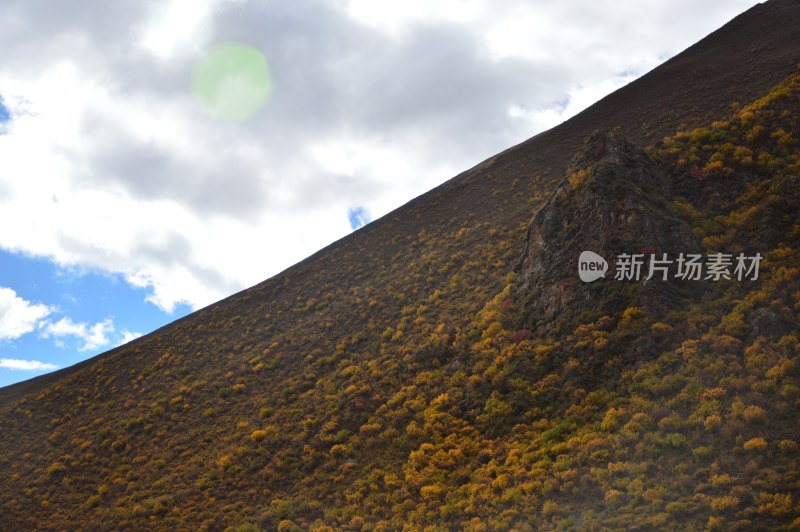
[[156, 156]]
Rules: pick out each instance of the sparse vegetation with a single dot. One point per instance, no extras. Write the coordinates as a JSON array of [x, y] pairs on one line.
[[410, 396]]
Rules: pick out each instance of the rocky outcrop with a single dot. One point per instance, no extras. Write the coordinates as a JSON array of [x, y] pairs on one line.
[[614, 199]]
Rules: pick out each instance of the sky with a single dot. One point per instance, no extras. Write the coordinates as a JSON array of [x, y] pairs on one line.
[[157, 156]]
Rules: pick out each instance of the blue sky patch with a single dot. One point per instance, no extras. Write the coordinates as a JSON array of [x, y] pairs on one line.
[[86, 313], [5, 114], [358, 217]]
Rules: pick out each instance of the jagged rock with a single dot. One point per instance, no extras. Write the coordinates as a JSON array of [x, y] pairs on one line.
[[614, 199]]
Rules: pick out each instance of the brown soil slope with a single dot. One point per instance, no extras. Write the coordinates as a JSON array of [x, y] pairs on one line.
[[736, 63], [270, 405]]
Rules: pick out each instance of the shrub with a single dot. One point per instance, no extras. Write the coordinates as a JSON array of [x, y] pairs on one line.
[[56, 468], [288, 526], [720, 480], [702, 452], [549, 508], [432, 491], [520, 335], [338, 449], [676, 508], [612, 496], [787, 446], [712, 422], [776, 505], [611, 419], [724, 503], [495, 413], [675, 439], [224, 461], [92, 501], [756, 445], [753, 413]]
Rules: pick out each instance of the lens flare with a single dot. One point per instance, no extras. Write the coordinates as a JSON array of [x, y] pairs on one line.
[[232, 82]]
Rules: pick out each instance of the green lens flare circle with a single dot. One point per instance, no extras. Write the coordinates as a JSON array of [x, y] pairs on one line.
[[232, 82]]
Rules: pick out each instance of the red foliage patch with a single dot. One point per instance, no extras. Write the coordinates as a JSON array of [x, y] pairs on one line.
[[520, 335]]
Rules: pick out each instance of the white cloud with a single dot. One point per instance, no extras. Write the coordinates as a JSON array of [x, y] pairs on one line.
[[577, 100], [128, 336], [18, 316], [109, 164], [91, 336], [175, 24], [395, 17], [25, 365]]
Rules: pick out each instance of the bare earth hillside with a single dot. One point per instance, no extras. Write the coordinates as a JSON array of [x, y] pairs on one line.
[[444, 366]]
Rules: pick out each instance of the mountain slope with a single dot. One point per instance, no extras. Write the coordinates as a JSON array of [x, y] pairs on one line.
[[737, 63], [389, 379]]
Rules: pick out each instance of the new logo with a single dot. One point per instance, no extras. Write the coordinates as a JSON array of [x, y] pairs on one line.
[[591, 266]]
